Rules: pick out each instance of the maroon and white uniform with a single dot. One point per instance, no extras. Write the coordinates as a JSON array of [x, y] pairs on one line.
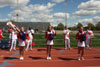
[[66, 38], [79, 37], [48, 33], [13, 37], [89, 37], [1, 34], [29, 42]]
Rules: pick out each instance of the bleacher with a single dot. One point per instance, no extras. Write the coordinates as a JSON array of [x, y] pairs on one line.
[[35, 25]]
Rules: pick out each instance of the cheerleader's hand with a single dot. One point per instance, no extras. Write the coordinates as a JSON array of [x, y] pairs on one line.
[[2, 36]]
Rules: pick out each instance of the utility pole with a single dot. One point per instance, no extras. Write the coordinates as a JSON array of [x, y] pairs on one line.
[[66, 13], [17, 11]]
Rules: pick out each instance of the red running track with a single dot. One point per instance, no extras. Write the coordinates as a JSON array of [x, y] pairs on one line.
[[60, 58]]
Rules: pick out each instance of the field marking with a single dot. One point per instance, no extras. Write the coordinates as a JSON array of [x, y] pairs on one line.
[[50, 60], [62, 55], [91, 66], [57, 55]]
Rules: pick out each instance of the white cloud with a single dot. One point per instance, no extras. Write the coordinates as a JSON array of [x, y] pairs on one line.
[[58, 1], [89, 8], [93, 20], [4, 20], [50, 5], [42, 8], [85, 13], [32, 12], [37, 13], [13, 3], [61, 15], [90, 5]]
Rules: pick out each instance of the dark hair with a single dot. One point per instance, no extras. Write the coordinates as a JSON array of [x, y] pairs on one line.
[[89, 28], [48, 27], [80, 27], [30, 28], [65, 27]]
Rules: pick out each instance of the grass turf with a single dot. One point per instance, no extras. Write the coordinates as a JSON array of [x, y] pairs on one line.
[[40, 41]]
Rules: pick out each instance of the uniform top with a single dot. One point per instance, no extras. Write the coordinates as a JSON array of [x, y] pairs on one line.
[[10, 30], [0, 33], [54, 31], [89, 33], [19, 35], [66, 33], [48, 33], [30, 32], [13, 35], [80, 36]]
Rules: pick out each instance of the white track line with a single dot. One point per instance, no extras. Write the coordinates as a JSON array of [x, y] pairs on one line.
[[91, 66], [58, 55], [51, 60]]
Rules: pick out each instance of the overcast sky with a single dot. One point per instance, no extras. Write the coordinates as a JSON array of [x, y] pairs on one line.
[[53, 11]]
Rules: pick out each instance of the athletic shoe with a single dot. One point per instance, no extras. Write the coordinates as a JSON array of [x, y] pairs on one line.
[[65, 48], [70, 48], [21, 58], [49, 58], [82, 58], [31, 49], [79, 59], [26, 50], [89, 48], [14, 49], [9, 50]]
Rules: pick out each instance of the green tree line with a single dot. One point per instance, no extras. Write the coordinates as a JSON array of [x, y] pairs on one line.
[[60, 26]]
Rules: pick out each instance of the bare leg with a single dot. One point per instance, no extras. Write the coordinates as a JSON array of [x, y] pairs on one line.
[[65, 43], [79, 51], [47, 50], [20, 51], [82, 54], [69, 43], [50, 51]]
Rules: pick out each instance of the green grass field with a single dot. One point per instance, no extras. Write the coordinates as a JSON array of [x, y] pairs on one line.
[[40, 41]]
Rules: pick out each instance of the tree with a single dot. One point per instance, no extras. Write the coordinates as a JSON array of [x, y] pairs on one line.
[[79, 25], [98, 26], [60, 26], [91, 26]]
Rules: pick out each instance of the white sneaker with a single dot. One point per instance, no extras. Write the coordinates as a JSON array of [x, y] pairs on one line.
[[79, 59], [31, 49], [9, 50], [14, 49], [65, 48], [82, 58], [26, 50], [89, 48], [21, 58], [70, 48], [49, 58]]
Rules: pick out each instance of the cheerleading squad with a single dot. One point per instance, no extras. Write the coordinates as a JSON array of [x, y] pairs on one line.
[[26, 39]]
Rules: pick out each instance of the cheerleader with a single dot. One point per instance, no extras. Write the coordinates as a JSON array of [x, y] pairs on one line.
[[66, 37], [89, 35], [13, 38], [81, 37], [1, 35], [21, 39], [49, 41], [30, 33]]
